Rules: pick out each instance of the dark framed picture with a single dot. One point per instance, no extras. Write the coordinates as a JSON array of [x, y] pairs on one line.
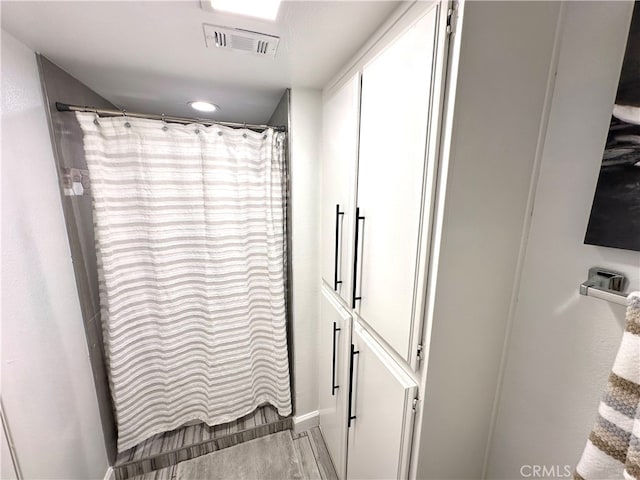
[[615, 212]]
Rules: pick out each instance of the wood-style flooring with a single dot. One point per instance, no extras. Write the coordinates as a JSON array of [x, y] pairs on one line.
[[185, 443], [280, 456]]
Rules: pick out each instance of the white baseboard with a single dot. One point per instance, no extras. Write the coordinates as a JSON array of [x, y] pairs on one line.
[[110, 475], [305, 421]]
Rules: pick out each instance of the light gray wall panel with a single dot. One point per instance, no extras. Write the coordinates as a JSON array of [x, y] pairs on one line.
[[66, 138]]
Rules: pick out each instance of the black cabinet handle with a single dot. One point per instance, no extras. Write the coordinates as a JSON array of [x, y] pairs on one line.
[[333, 366], [336, 282], [355, 260], [350, 417]]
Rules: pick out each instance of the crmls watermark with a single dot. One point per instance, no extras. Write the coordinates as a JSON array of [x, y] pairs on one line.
[[545, 471]]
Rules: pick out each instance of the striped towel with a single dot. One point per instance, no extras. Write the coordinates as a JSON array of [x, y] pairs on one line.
[[613, 448]]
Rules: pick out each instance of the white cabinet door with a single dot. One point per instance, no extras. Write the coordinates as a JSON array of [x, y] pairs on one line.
[[381, 411], [334, 341], [339, 165], [396, 92]]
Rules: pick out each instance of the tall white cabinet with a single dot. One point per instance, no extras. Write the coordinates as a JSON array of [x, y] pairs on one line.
[[341, 114], [377, 166], [396, 96], [366, 399], [334, 353], [380, 412], [448, 104]]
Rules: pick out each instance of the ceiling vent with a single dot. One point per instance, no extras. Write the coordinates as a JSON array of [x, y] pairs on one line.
[[241, 40]]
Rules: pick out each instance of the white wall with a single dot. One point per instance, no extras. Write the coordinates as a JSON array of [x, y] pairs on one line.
[[505, 60], [47, 385], [562, 344], [7, 470], [305, 131]]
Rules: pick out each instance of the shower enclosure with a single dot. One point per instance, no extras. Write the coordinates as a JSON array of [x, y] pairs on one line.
[[192, 440]]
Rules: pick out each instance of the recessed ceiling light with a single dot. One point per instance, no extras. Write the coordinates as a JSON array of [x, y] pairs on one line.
[[203, 106], [266, 9]]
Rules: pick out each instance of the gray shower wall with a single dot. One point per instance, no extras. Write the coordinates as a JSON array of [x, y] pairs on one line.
[[68, 151]]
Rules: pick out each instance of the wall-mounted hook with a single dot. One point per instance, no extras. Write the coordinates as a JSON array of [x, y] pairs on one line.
[[124, 115]]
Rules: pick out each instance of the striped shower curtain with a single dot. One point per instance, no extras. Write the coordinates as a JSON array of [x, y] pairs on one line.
[[190, 239]]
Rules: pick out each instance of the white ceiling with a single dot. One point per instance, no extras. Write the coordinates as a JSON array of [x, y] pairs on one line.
[[152, 57]]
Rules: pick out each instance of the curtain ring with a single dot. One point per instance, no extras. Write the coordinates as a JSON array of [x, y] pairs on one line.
[[165, 127], [124, 115], [95, 120]]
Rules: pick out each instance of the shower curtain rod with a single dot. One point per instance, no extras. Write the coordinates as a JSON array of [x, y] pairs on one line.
[[64, 107]]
